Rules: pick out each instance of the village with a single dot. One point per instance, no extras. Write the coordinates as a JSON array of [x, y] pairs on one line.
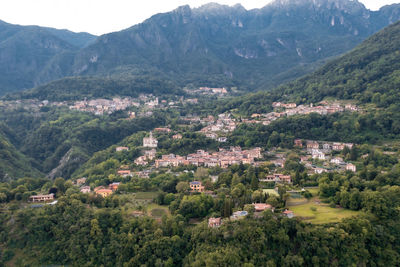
[[317, 157], [291, 109]]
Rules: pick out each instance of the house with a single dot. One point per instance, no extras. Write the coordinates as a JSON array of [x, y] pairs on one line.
[[141, 161], [312, 145], [85, 189], [121, 148], [288, 213], [41, 198], [196, 186], [214, 222], [338, 146], [326, 146], [277, 177], [298, 143], [222, 139], [177, 136], [261, 207], [150, 154], [104, 192], [150, 141], [80, 181], [113, 186], [351, 167], [337, 160], [317, 154]]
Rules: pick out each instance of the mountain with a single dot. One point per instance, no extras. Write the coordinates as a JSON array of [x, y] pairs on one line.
[[27, 53], [222, 45], [214, 45]]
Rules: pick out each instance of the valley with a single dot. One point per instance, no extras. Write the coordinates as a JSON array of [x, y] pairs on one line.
[[193, 139]]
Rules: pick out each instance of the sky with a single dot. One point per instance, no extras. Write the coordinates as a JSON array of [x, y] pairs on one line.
[[104, 16]]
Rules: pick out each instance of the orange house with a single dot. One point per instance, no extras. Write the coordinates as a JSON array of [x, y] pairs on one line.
[[104, 192], [196, 186]]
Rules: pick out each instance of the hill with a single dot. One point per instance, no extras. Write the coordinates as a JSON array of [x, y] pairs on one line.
[[369, 73], [13, 164]]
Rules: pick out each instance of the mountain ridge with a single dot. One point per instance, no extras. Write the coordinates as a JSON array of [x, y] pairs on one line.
[[221, 45]]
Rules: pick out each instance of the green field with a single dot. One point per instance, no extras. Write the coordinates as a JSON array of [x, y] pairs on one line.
[[145, 195], [271, 192], [316, 212], [157, 211]]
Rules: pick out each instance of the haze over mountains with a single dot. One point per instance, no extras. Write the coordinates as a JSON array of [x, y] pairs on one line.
[[213, 45]]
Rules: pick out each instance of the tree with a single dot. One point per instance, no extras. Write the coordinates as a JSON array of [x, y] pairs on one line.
[[60, 184], [182, 187], [201, 173]]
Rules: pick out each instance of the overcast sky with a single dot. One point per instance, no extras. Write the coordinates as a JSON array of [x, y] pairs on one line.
[[104, 16]]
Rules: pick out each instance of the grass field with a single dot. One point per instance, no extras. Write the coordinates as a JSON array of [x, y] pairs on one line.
[[271, 192], [157, 211], [314, 211], [145, 195]]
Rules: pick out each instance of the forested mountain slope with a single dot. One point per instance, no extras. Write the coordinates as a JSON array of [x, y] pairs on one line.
[[213, 45]]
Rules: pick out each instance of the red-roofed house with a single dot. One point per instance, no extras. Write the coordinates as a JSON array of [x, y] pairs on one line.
[[214, 222], [262, 206]]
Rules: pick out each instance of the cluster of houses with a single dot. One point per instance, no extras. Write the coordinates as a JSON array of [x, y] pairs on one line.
[[322, 151], [209, 91], [223, 158], [100, 190], [290, 109], [217, 129], [104, 106]]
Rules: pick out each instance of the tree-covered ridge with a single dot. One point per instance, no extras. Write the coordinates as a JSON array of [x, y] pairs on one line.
[[27, 53], [79, 88], [369, 73], [13, 163]]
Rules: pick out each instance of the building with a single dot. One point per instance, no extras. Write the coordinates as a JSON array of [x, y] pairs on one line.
[[338, 146], [150, 141], [104, 192], [312, 145], [113, 186], [277, 177], [41, 198], [317, 154], [288, 213], [80, 181], [85, 190], [196, 186], [262, 206], [298, 143], [351, 167], [122, 148], [214, 222], [337, 160]]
